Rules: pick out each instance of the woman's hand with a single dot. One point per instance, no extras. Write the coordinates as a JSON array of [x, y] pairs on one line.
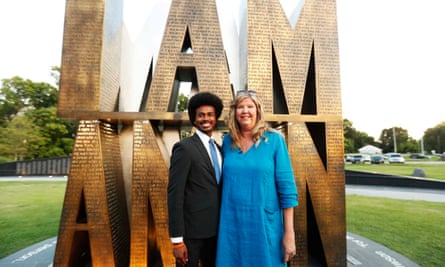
[[289, 245], [288, 241]]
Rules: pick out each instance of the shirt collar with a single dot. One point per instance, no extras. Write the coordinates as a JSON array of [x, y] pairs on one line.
[[204, 137]]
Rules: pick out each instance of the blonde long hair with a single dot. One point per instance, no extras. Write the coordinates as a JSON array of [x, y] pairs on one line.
[[260, 124]]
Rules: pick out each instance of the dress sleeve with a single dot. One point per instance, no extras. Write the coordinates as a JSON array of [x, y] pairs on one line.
[[284, 174]]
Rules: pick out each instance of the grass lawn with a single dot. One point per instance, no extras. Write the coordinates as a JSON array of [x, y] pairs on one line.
[[415, 229], [433, 171], [30, 212]]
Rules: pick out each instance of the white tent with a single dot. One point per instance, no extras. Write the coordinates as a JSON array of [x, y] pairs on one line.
[[369, 149]]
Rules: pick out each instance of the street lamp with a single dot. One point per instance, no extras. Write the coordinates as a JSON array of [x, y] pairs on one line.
[[394, 138]]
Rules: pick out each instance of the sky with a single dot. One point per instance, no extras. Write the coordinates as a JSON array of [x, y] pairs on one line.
[[392, 56]]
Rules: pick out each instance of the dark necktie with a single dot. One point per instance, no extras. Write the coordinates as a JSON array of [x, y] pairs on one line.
[[215, 159]]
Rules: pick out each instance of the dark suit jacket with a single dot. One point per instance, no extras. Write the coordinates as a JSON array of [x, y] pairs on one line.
[[193, 193]]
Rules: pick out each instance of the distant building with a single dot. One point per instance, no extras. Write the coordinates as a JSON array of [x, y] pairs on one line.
[[370, 149]]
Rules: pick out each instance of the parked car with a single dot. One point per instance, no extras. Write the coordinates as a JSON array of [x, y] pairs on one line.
[[348, 158], [396, 158], [366, 158], [377, 159], [417, 156], [358, 158]]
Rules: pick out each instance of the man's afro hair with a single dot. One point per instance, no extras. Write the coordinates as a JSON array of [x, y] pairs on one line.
[[204, 99]]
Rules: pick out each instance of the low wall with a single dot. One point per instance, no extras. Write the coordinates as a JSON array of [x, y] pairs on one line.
[[377, 179], [36, 167], [8, 169]]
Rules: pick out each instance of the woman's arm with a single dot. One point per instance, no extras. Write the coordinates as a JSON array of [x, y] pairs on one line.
[[288, 241]]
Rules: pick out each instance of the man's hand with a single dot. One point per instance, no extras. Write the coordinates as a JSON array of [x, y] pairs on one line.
[[181, 254]]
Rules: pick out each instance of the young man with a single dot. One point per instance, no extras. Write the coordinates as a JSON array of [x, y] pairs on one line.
[[193, 187]]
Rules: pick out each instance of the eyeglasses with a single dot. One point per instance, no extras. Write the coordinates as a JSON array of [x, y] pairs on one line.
[[246, 92]]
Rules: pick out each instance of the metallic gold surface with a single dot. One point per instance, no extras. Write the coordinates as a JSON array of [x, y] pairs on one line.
[[116, 194], [91, 56], [303, 81], [197, 19], [94, 222]]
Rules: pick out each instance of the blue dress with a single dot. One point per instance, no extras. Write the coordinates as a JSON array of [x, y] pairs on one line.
[[257, 185]]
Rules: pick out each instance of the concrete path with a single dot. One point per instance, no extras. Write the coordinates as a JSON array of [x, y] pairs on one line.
[[364, 252], [397, 192]]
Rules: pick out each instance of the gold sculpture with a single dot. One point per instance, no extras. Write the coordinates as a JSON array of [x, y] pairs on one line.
[[114, 212]]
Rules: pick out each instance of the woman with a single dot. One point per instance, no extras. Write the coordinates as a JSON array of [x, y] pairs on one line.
[[259, 192]]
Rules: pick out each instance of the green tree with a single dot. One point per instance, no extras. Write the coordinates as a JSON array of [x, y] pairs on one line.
[[348, 134], [55, 133], [182, 103], [11, 100], [18, 95], [55, 73], [404, 143], [29, 127], [353, 139], [18, 138], [434, 138]]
